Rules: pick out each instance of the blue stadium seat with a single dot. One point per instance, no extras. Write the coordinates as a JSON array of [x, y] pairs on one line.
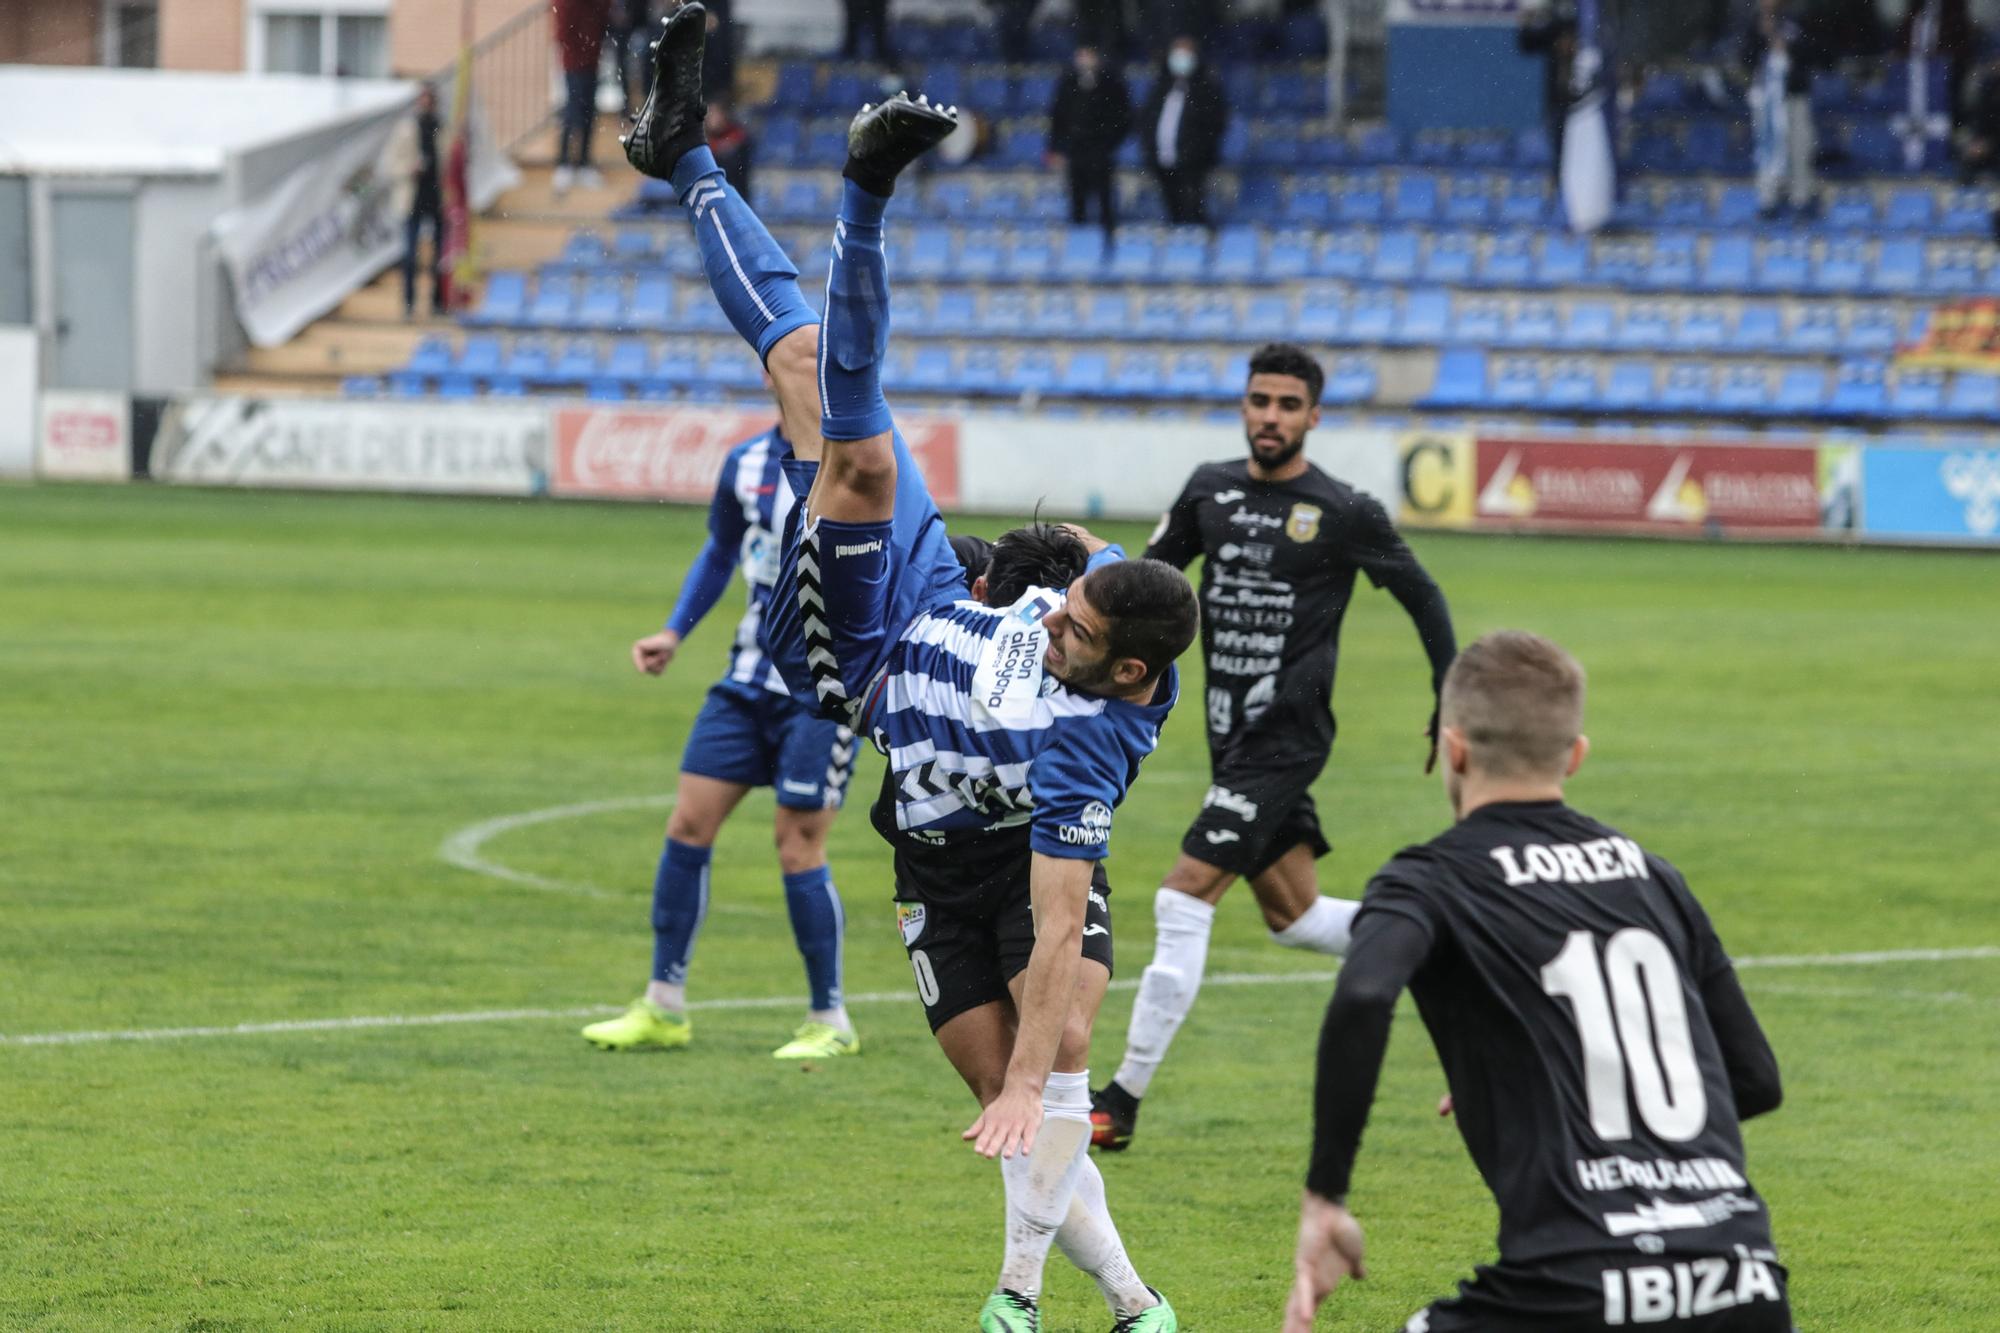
[[1022, 144], [780, 143], [1509, 262], [1645, 328], [1160, 317], [1973, 396], [605, 390], [1486, 150], [431, 356], [583, 249], [1448, 260], [1082, 258], [1460, 380], [1781, 266], [980, 255], [505, 386], [1415, 198], [1759, 327], [1671, 267], [1107, 316], [650, 303], [1035, 371], [1571, 387], [1563, 261], [991, 94], [1589, 324], [1728, 265], [1873, 329], [1307, 204], [952, 199], [1378, 146], [934, 369], [929, 254], [1269, 318], [1136, 257], [1360, 204], [1518, 384], [794, 90], [1965, 213], [1629, 387], [1683, 205], [1525, 203], [1744, 389], [454, 385], [480, 356], [627, 361], [1214, 316], [983, 371], [1532, 151], [1735, 207], [528, 359], [361, 386], [1533, 324], [1192, 376], [1702, 329], [1139, 375], [603, 304], [1851, 208], [1801, 391], [1084, 374], [555, 302], [505, 300], [1046, 201], [699, 313], [732, 366], [956, 313], [1841, 269], [1917, 393], [1237, 255], [1426, 316], [1618, 264], [1034, 92], [1858, 390], [842, 91], [403, 384], [1817, 329], [1185, 255], [1346, 255], [1899, 266], [577, 363], [1955, 272], [1372, 317], [1007, 314], [1689, 387], [1352, 382], [1469, 201], [1480, 322], [1322, 316], [1057, 314], [1395, 258], [676, 362]]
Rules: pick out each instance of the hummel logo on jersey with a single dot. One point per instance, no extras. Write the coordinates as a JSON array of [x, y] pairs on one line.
[[1228, 497], [1222, 835], [860, 548], [1221, 798]]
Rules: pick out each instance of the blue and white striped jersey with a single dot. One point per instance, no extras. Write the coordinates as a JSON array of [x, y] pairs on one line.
[[980, 737], [746, 523]]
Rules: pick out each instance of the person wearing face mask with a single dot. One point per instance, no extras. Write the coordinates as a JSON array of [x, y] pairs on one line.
[[1182, 128], [1090, 117]]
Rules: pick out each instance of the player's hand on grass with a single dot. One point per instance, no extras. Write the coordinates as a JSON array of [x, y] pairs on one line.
[[652, 653], [1444, 1105], [1329, 1250], [1008, 1124], [1091, 541]]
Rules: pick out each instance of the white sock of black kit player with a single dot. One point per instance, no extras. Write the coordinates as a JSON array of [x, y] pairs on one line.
[[1323, 928], [1168, 985]]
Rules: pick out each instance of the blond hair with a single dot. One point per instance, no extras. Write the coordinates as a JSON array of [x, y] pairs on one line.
[[1518, 699]]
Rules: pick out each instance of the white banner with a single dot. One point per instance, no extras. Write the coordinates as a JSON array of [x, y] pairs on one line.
[[20, 377], [85, 436], [1132, 469], [332, 225], [1454, 12], [480, 448]]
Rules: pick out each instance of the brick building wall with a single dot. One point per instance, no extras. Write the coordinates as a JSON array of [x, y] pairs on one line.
[[424, 34], [48, 32], [201, 34]]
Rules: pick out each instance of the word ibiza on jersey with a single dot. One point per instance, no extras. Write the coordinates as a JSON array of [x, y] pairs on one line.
[[979, 736]]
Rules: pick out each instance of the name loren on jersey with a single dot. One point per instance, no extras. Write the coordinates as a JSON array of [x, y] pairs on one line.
[[1592, 862]]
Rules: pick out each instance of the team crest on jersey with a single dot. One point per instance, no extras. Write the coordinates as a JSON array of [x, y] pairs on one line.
[[1303, 525], [910, 920]]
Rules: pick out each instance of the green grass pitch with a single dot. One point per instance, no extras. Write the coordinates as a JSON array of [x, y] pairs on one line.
[[235, 730]]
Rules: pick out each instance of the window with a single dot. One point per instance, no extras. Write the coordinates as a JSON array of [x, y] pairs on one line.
[[346, 38]]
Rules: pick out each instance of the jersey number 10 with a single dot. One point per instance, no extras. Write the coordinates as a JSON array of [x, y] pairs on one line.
[[1645, 1008]]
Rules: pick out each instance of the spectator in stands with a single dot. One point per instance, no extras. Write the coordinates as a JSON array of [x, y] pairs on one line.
[[1940, 30], [1182, 18], [580, 27], [1090, 117], [718, 54], [1014, 23], [1183, 127], [631, 27], [1548, 30], [1782, 54], [1100, 25], [729, 139], [1979, 149], [416, 161], [870, 19]]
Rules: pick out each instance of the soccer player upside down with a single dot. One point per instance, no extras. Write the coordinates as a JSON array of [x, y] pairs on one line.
[[1012, 732]]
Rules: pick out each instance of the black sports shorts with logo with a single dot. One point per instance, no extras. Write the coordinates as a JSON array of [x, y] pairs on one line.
[[1595, 1293], [1258, 807], [963, 909]]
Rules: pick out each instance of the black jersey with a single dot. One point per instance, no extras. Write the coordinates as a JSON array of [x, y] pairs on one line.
[[1278, 573], [1590, 1026]]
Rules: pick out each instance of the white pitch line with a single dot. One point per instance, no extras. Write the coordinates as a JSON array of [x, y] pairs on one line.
[[873, 997]]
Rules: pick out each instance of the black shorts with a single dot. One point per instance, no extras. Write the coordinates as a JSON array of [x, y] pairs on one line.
[[1259, 807], [1587, 1294], [962, 907]]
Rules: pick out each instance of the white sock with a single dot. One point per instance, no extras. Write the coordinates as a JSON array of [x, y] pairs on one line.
[[1323, 928], [1039, 1184], [1168, 986], [673, 999], [1090, 1240], [835, 1018]]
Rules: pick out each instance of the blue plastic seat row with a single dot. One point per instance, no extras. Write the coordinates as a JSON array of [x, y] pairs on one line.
[[558, 301], [1094, 373], [536, 362], [1470, 379]]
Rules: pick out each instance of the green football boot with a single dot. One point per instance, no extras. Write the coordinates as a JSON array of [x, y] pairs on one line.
[[1010, 1312], [1159, 1319], [643, 1027], [818, 1041]]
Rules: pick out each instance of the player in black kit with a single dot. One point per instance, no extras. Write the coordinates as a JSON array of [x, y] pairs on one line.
[[1599, 1050], [1282, 542]]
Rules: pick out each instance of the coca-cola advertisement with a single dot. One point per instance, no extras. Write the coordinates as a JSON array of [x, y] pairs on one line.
[[641, 453], [1662, 487], [85, 436]]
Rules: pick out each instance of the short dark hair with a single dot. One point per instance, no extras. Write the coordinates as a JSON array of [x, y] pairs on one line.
[[1290, 359], [1518, 697], [1040, 555], [1149, 611]]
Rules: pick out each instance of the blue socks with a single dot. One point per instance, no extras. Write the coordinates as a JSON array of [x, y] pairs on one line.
[[855, 336], [754, 283], [680, 902], [817, 924]]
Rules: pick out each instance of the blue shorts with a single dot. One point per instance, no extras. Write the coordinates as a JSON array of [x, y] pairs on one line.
[[748, 735], [846, 591]]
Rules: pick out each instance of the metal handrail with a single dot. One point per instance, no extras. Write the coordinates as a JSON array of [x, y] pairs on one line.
[[513, 74]]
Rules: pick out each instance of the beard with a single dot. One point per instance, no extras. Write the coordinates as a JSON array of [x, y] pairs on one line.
[[1092, 679], [1270, 452]]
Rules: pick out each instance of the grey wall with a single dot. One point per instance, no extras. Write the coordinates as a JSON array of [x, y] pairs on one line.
[[16, 259], [174, 268]]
